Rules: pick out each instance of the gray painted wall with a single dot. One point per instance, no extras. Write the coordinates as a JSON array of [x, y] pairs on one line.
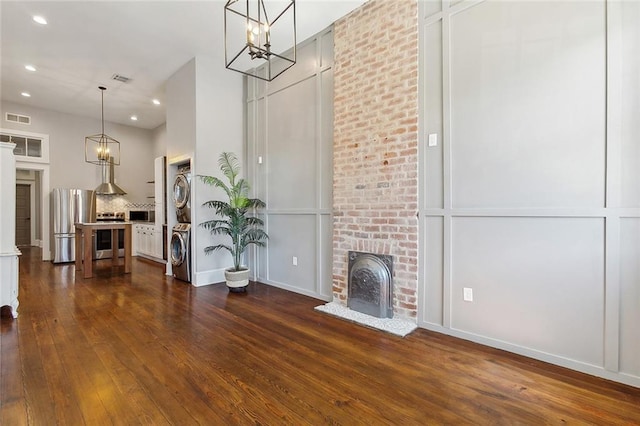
[[181, 112], [67, 168], [204, 118], [290, 126], [66, 149], [219, 128], [159, 138], [532, 196]]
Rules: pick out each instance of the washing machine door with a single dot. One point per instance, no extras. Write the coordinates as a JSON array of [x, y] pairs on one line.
[[181, 191], [178, 248]]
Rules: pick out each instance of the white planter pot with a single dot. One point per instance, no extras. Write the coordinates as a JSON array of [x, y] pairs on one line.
[[237, 281]]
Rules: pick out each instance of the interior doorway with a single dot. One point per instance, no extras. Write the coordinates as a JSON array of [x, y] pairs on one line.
[[39, 169], [23, 214]]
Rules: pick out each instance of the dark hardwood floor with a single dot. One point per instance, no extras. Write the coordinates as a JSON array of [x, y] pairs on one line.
[[146, 349]]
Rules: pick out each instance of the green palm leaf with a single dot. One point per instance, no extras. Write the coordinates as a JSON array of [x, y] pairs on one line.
[[233, 217]]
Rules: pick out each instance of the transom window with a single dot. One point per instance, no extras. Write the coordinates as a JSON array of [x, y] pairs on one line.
[[28, 148]]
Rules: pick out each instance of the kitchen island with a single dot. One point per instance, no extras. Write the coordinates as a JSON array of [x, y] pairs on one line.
[[84, 245]]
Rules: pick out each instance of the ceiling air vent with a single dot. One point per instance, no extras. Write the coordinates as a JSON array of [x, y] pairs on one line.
[[17, 118], [121, 78]]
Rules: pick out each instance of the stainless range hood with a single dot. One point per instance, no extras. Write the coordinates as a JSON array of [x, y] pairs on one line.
[[108, 186]]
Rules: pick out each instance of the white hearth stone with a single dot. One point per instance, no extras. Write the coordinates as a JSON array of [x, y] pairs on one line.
[[396, 326]]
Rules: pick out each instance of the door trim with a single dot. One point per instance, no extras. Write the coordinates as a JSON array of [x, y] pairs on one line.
[[45, 179]]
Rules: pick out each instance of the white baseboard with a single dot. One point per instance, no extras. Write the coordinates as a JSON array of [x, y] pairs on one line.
[[594, 370], [155, 259], [213, 276], [294, 289]]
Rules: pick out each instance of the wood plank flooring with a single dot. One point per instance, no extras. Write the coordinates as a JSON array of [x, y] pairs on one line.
[[146, 349]]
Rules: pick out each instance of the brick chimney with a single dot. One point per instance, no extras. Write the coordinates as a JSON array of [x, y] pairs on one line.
[[375, 152]]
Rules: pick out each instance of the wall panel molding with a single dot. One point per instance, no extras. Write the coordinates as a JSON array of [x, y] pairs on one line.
[[289, 134], [552, 186]]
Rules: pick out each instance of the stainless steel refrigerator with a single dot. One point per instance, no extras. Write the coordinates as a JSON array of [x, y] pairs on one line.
[[68, 207]]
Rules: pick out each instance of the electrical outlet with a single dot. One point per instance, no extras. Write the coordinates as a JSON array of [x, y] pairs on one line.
[[295, 261], [467, 294]]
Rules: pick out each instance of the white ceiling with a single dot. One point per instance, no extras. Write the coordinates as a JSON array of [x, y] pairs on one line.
[[86, 42]]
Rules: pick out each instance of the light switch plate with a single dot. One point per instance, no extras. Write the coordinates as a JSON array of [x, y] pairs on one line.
[[433, 139], [467, 294]]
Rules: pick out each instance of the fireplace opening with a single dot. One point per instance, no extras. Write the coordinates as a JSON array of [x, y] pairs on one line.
[[370, 284]]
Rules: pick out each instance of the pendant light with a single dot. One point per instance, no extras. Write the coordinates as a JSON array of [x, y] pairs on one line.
[[260, 37], [101, 149]]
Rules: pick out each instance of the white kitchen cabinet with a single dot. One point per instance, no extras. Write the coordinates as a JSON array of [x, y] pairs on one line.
[[157, 242], [135, 240], [147, 241], [144, 240]]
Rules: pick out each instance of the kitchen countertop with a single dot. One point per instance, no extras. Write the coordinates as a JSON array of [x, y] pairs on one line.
[[109, 223]]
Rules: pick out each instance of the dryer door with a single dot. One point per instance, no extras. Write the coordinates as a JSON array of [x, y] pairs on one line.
[[178, 249], [181, 191]]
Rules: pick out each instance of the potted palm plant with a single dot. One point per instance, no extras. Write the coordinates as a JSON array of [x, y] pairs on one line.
[[235, 219]]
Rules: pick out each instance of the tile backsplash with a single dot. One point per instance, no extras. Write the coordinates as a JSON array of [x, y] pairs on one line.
[[111, 203]]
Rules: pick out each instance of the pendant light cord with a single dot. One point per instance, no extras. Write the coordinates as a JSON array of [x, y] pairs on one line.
[[102, 89]]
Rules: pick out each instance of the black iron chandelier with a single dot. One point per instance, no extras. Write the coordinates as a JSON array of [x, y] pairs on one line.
[[263, 35], [101, 149]]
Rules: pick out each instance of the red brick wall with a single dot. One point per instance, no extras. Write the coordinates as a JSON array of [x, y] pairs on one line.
[[375, 152]]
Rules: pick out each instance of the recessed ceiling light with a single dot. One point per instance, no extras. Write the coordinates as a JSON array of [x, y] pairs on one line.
[[40, 20], [30, 68], [156, 102], [134, 118], [26, 94]]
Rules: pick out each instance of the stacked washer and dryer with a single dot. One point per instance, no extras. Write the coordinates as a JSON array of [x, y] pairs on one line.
[[180, 246]]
